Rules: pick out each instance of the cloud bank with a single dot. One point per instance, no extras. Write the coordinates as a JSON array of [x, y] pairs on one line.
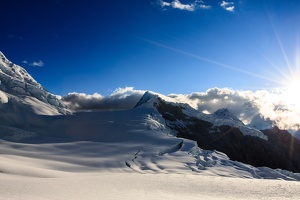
[[260, 109], [196, 4], [120, 99]]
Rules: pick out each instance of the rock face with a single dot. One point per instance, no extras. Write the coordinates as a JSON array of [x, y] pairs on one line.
[[275, 149], [15, 81], [289, 147]]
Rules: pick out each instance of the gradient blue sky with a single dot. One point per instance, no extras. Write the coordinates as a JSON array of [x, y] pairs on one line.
[[164, 46]]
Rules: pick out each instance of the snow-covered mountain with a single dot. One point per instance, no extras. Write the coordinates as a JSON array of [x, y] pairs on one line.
[[23, 101], [224, 132], [19, 88], [175, 111]]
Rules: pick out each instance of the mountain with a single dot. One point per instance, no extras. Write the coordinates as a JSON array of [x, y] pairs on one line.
[[23, 102], [19, 88], [224, 132]]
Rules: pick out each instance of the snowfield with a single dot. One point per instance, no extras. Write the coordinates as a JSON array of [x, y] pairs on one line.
[[127, 155]]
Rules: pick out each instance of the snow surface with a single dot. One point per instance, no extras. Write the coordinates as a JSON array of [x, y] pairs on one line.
[[130, 186], [129, 155], [3, 97]]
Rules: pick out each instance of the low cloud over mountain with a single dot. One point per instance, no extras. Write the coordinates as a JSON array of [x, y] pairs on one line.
[[121, 98], [260, 109]]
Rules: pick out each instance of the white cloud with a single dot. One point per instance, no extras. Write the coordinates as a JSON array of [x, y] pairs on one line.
[[197, 4], [229, 6], [203, 6], [37, 64], [34, 64], [224, 4], [260, 109], [176, 4], [163, 4]]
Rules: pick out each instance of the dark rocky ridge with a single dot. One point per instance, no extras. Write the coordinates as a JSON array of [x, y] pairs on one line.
[[281, 150]]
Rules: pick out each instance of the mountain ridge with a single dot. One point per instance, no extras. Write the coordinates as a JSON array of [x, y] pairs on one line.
[[17, 83], [226, 133]]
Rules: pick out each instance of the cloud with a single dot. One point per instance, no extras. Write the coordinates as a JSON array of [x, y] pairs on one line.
[[120, 99], [260, 109], [163, 3], [229, 6], [176, 4], [34, 64], [37, 64], [203, 6]]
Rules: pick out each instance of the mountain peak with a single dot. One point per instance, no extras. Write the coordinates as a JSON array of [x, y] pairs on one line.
[[147, 97], [224, 113], [3, 58]]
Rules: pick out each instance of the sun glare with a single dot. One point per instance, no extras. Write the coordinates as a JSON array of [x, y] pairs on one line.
[[292, 92]]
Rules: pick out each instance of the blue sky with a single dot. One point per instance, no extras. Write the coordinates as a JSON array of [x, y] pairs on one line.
[[166, 46]]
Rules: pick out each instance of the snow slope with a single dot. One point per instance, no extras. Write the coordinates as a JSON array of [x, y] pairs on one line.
[[129, 155], [3, 97]]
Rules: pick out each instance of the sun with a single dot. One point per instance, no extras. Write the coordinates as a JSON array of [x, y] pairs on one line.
[[290, 80], [291, 92]]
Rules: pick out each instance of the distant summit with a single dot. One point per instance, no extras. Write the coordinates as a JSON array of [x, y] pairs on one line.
[[224, 113], [146, 98]]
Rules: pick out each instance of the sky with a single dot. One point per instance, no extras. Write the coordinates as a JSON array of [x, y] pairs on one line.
[[170, 46]]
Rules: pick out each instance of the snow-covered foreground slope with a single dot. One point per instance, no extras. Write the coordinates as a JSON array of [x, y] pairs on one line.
[[129, 155], [125, 186]]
